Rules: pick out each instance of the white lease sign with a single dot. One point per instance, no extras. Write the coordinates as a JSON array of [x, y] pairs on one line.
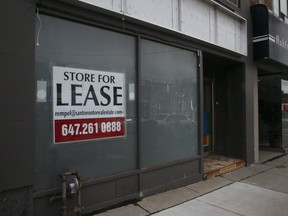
[[87, 104]]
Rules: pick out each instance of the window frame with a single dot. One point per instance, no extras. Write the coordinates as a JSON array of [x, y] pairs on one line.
[[281, 11], [230, 5]]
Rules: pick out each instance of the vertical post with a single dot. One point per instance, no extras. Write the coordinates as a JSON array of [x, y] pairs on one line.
[[200, 108], [63, 177], [138, 108], [64, 195]]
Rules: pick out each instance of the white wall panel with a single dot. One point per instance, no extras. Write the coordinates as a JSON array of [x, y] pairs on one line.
[[176, 21], [195, 19], [114, 5], [158, 12], [238, 35], [107, 4], [283, 7], [204, 20], [212, 22], [276, 7], [226, 31]]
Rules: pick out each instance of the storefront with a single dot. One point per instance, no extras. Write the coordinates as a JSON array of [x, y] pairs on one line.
[[90, 84], [271, 54], [121, 108]]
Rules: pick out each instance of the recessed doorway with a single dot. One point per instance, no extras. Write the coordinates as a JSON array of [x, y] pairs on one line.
[[223, 125]]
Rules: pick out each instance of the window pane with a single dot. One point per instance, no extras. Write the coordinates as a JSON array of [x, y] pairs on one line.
[[283, 7], [284, 85], [270, 111], [72, 45], [168, 103]]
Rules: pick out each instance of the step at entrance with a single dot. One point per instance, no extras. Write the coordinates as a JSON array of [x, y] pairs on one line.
[[215, 165]]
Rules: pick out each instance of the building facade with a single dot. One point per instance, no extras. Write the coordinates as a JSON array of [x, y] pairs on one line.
[[270, 54], [121, 99]]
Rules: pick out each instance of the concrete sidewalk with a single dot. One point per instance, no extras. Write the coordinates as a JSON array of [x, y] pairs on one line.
[[261, 189]]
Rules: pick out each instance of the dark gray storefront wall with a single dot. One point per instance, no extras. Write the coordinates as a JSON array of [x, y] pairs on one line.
[[102, 192], [111, 169], [17, 106]]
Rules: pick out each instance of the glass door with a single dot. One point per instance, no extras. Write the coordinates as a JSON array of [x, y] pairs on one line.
[[208, 139]]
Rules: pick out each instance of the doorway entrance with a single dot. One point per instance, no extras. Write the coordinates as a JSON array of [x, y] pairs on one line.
[[223, 115], [208, 115]]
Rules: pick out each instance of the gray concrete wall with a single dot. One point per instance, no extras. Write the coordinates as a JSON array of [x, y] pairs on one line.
[[251, 100], [16, 202]]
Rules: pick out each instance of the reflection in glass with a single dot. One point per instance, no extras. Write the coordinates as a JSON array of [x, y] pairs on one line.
[[273, 111], [284, 87], [270, 133], [168, 103], [70, 44]]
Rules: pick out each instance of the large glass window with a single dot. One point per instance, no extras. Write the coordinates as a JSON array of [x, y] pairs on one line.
[[273, 111], [270, 134], [284, 107], [85, 48], [168, 103]]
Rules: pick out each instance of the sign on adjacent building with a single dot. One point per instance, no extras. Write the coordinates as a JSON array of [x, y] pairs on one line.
[[87, 104], [270, 36]]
